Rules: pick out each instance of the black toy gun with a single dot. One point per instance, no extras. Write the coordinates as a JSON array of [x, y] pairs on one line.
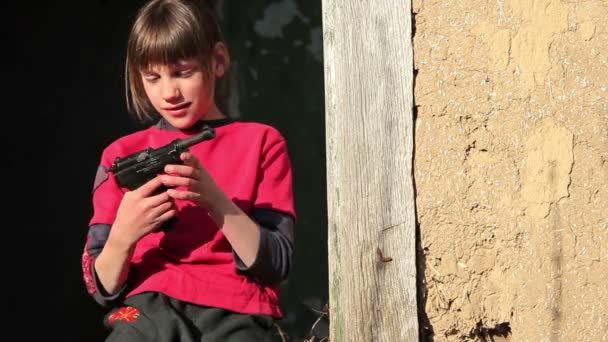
[[136, 169]]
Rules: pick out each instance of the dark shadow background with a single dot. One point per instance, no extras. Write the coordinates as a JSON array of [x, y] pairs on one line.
[[65, 103]]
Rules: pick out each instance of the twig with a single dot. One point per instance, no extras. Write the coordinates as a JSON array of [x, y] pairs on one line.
[[281, 333]]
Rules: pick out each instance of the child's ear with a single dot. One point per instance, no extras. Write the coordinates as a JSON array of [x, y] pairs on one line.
[[222, 59], [220, 69]]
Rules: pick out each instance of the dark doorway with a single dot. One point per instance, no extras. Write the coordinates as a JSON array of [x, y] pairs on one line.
[[67, 103]]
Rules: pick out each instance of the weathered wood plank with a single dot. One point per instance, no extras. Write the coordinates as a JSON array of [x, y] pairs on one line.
[[369, 135]]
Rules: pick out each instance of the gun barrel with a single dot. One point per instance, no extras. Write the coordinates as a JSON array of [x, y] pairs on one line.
[[206, 134]]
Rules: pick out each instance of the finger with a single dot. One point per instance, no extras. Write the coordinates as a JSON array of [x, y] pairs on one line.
[[174, 181], [189, 159], [156, 200], [183, 195], [149, 187], [167, 215], [182, 170], [161, 209], [157, 221]]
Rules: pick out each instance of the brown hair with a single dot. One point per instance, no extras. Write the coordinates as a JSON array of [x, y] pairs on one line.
[[164, 32]]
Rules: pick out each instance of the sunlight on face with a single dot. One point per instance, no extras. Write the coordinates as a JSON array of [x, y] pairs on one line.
[[180, 92]]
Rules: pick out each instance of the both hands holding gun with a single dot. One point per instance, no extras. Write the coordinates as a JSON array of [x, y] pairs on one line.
[[140, 171]]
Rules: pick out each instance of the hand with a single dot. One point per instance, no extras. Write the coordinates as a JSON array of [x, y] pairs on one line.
[[192, 182], [141, 211]]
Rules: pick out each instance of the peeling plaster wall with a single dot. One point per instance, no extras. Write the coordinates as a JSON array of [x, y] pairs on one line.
[[511, 166]]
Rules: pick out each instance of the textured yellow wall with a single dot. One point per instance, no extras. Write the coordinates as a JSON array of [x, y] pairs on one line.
[[511, 166]]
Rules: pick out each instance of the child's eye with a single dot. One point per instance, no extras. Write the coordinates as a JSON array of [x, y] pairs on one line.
[[150, 77], [184, 73]]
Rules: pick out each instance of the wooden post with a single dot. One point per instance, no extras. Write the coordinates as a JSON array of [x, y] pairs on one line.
[[369, 136]]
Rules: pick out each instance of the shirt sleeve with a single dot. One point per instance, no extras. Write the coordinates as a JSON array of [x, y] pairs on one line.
[[274, 211], [275, 185], [275, 252], [106, 199], [107, 195], [96, 239]]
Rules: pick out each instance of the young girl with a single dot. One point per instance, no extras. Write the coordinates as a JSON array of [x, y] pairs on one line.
[[214, 274]]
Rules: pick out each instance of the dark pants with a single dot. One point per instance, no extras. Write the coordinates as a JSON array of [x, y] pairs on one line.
[[154, 317]]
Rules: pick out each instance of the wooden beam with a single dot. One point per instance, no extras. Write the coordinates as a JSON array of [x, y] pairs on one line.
[[369, 136]]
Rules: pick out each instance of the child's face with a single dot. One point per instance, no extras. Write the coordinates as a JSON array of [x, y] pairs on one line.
[[180, 93]]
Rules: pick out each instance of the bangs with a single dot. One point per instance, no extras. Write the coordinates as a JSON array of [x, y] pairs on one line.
[[165, 43]]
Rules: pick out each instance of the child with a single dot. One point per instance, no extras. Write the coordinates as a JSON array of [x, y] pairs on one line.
[[214, 274]]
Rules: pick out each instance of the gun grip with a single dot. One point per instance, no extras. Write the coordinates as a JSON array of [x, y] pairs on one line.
[[166, 226]]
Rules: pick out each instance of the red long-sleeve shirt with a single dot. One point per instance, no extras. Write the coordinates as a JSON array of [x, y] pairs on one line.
[[193, 261]]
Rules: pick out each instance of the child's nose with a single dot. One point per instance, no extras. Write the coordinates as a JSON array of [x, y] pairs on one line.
[[170, 92]]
